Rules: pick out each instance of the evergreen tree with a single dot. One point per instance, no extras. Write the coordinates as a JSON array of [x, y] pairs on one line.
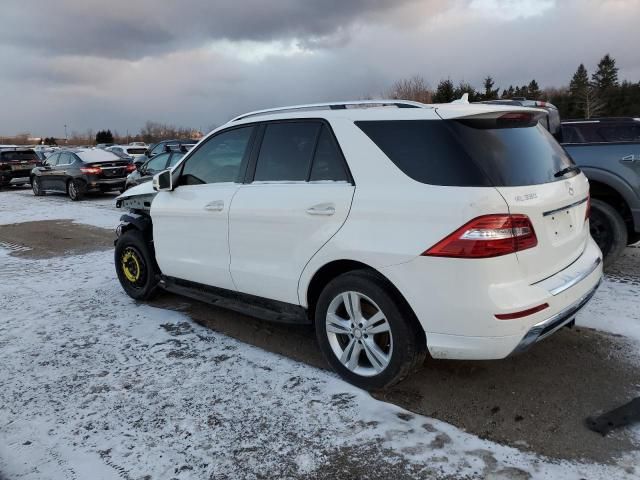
[[606, 75], [580, 80], [104, 136], [533, 90], [489, 92], [508, 93], [445, 92], [465, 87]]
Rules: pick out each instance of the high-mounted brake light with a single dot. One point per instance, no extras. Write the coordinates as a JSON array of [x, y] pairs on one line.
[[516, 117], [487, 236], [91, 170]]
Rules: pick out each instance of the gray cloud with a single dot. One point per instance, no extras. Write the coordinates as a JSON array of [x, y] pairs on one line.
[[133, 29], [201, 64]]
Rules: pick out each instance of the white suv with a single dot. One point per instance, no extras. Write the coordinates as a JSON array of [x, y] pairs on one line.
[[397, 228]]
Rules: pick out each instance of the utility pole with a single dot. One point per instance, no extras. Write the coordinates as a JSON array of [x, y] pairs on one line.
[[66, 137]]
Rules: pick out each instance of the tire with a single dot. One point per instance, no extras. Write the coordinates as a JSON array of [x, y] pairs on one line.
[[398, 335], [75, 190], [608, 230], [136, 266], [36, 186]]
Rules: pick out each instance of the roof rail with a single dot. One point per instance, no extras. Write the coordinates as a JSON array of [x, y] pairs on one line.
[[335, 106]]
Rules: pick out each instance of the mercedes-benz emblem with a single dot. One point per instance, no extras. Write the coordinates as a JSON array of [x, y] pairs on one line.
[[570, 188]]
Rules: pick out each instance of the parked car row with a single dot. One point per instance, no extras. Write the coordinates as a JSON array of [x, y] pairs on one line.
[[396, 228], [79, 171]]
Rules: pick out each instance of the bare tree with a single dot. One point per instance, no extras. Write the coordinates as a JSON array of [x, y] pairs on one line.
[[415, 88], [590, 102]]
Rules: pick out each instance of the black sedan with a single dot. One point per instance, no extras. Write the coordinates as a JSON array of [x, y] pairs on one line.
[[147, 170], [80, 171], [15, 165]]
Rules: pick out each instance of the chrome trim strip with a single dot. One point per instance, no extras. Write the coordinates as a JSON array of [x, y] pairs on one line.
[[552, 324], [570, 281], [575, 204]]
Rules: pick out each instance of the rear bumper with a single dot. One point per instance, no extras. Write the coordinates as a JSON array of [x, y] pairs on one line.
[[457, 302], [547, 327], [106, 184]]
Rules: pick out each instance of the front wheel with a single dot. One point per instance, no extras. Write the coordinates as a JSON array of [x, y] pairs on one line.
[[367, 335], [36, 185], [608, 230], [135, 265]]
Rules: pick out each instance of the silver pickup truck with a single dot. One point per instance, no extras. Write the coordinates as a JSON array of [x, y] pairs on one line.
[[608, 152]]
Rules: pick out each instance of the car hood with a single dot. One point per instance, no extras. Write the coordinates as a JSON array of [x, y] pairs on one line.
[[143, 189]]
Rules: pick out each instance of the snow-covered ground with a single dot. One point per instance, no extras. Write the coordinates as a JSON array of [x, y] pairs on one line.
[[96, 386]]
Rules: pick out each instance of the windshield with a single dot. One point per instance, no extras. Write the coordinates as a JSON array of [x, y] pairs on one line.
[[136, 151]]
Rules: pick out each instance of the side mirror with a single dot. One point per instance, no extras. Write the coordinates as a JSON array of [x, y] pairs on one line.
[[163, 181], [138, 164]]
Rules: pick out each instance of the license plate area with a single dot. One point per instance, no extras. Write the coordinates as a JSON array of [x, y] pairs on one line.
[[563, 224]]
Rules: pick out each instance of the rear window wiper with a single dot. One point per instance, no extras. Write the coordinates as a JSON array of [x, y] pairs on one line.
[[564, 171]]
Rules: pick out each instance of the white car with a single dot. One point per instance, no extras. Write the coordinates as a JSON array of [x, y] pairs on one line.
[[395, 227], [133, 151]]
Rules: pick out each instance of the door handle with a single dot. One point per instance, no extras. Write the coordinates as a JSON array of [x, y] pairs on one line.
[[322, 209], [215, 206]]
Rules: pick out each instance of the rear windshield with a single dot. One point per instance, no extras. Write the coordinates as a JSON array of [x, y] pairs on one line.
[[12, 156], [137, 151], [469, 153]]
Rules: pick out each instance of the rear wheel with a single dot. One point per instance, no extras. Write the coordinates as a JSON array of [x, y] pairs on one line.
[[135, 265], [75, 190], [608, 230], [370, 338], [36, 185]]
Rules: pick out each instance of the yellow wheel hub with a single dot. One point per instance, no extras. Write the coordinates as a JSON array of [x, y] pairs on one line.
[[131, 266]]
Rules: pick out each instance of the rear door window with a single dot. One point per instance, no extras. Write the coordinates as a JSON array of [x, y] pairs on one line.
[[469, 153], [286, 151], [328, 163]]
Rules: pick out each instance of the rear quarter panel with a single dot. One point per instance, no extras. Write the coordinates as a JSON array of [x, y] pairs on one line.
[[393, 218]]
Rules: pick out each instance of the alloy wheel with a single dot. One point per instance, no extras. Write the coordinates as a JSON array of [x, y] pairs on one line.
[[359, 333]]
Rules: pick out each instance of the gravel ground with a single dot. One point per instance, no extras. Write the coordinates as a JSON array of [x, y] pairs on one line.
[[98, 386]]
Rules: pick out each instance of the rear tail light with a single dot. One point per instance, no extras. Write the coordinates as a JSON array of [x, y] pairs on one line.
[[131, 168], [588, 212], [487, 236], [91, 170]]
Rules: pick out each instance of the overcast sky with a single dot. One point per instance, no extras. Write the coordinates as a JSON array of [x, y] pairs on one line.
[[115, 64]]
